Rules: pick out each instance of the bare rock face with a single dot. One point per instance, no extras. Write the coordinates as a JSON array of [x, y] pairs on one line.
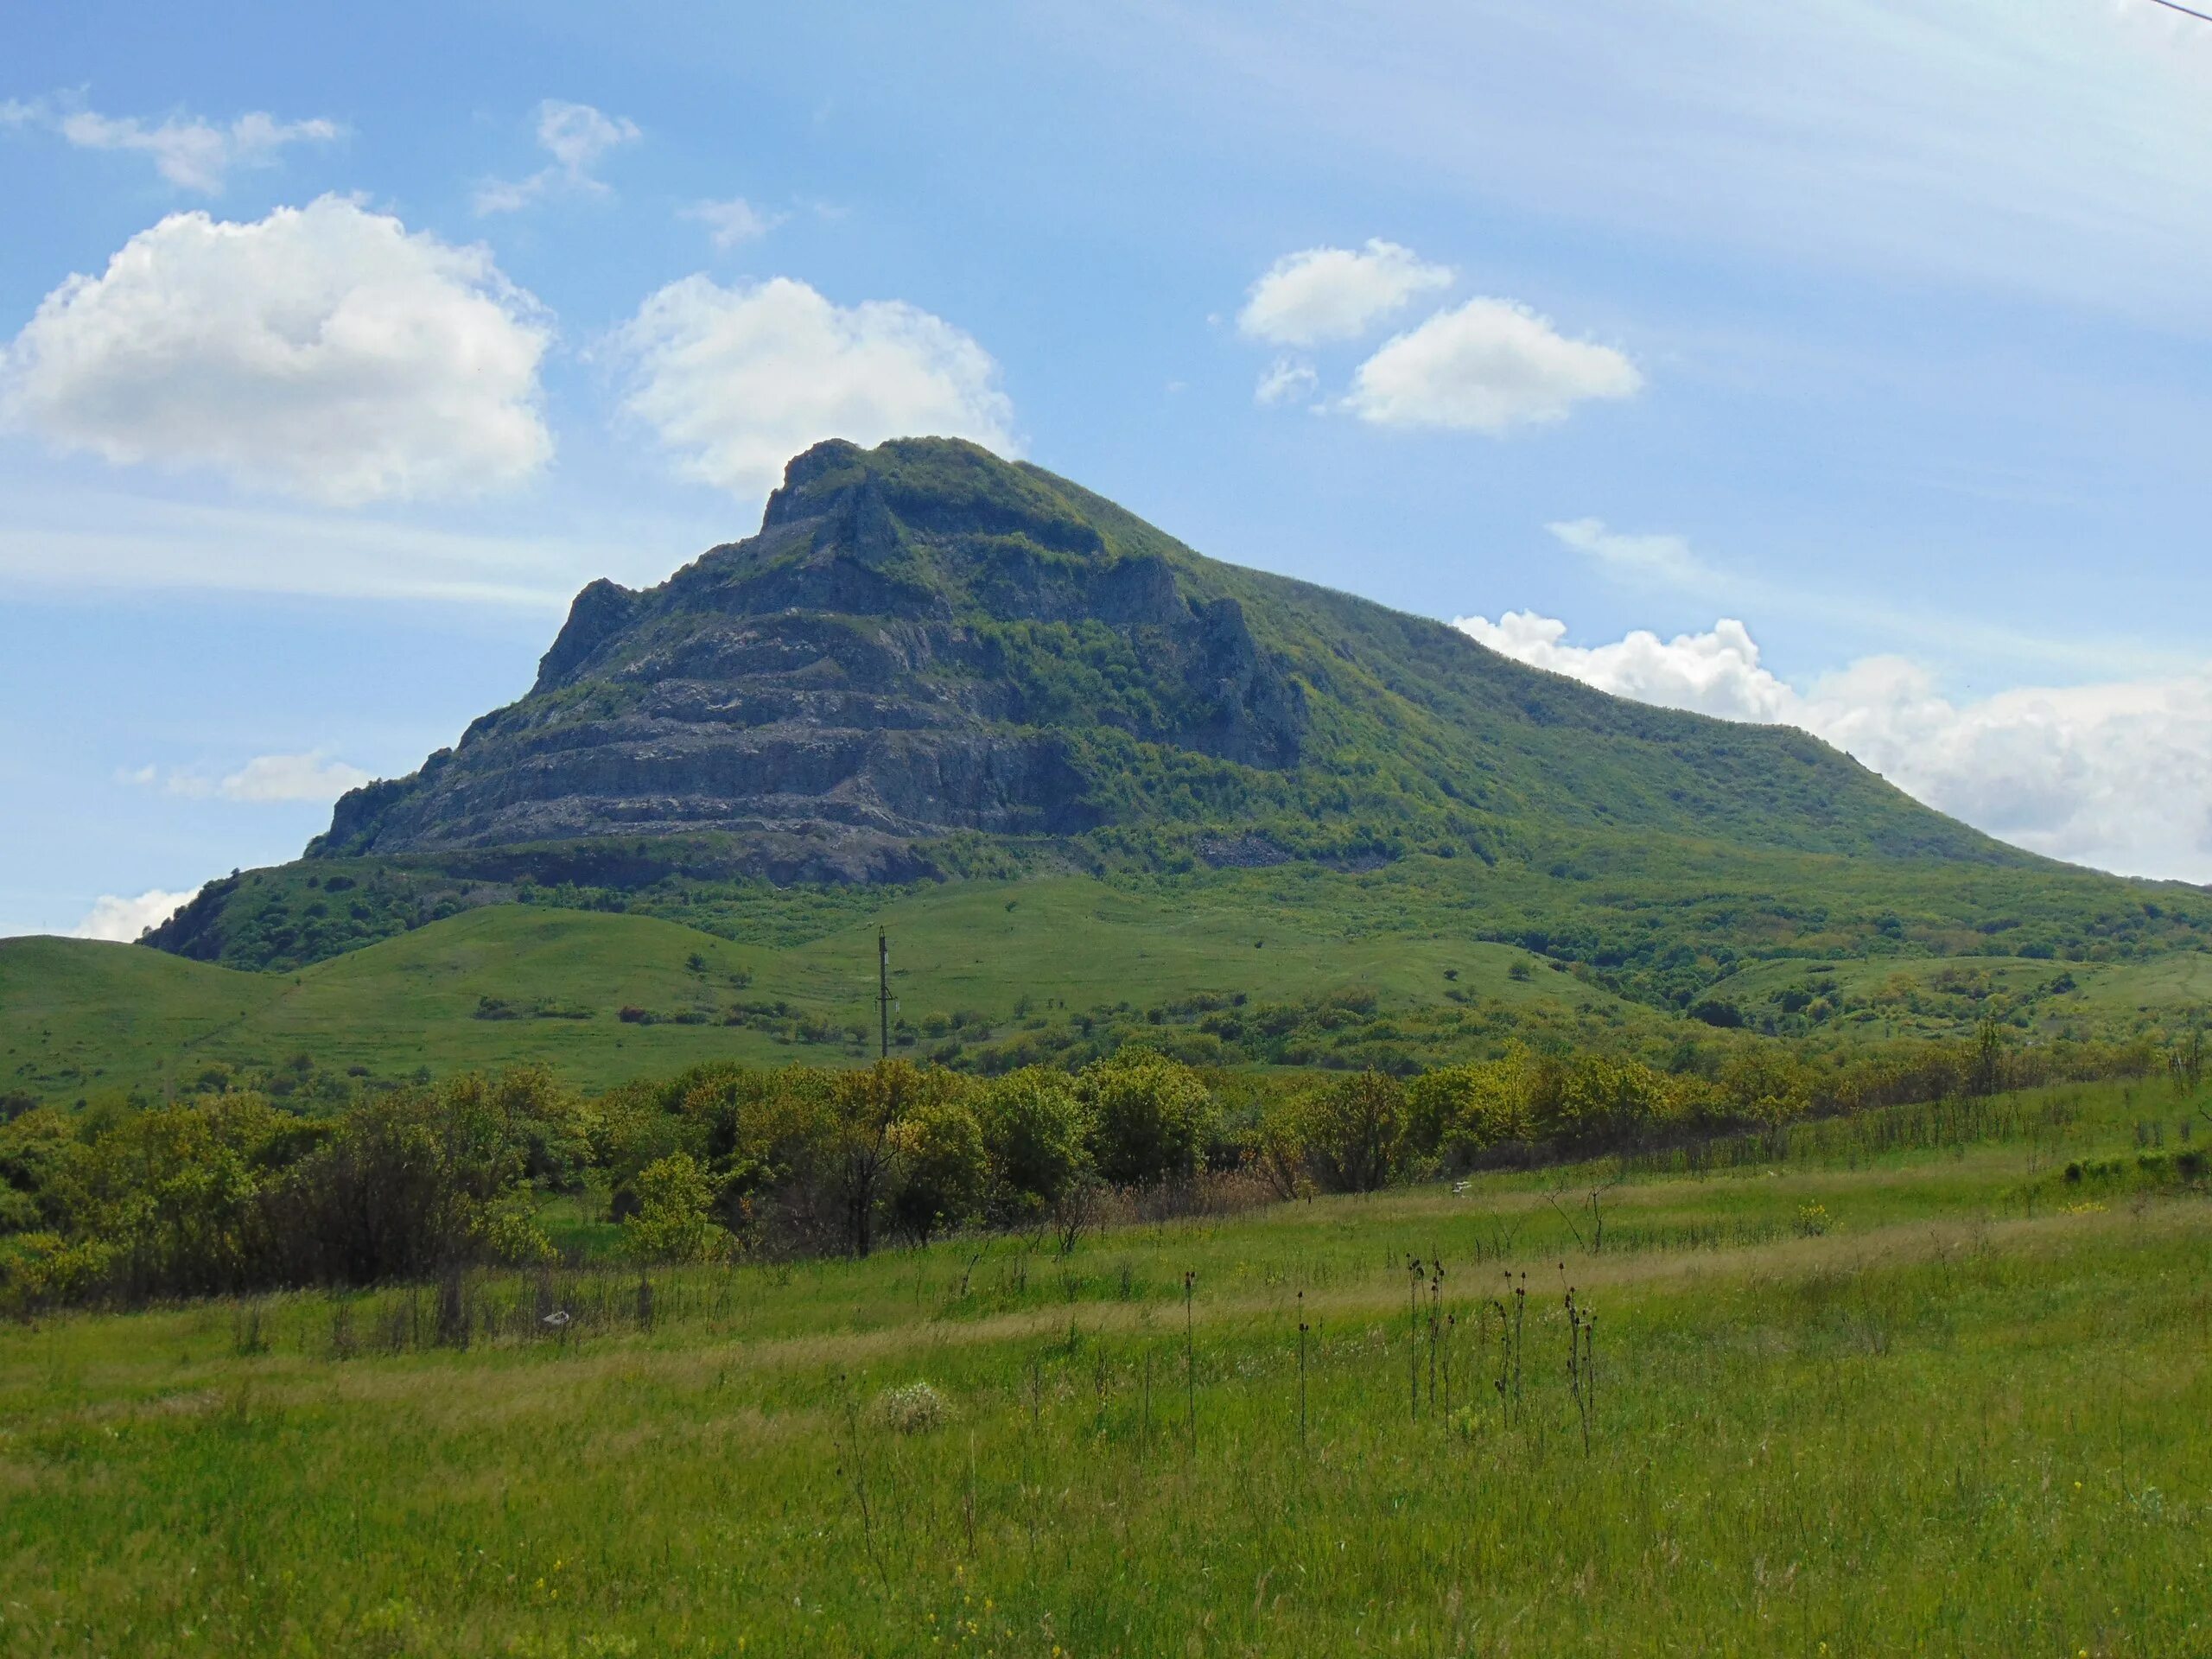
[[922, 638], [925, 641]]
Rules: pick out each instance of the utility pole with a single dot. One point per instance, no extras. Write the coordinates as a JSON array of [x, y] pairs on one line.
[[883, 991]]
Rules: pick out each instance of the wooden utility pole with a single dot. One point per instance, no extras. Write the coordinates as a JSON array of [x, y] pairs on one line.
[[883, 992]]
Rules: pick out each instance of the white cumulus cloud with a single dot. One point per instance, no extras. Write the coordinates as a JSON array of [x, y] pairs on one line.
[[313, 776], [731, 222], [735, 381], [122, 919], [193, 154], [325, 351], [576, 135], [1325, 293], [1716, 673], [1489, 366], [2117, 775]]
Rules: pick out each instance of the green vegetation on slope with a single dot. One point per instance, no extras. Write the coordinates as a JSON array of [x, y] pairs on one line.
[[1119, 690], [1655, 921], [1917, 1383], [975, 967], [1416, 963]]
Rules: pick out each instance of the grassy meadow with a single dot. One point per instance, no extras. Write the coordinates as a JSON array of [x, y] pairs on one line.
[[1021, 968], [1934, 1379], [507, 983]]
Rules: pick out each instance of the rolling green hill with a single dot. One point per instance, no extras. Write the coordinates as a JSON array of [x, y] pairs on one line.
[[1236, 967], [976, 967]]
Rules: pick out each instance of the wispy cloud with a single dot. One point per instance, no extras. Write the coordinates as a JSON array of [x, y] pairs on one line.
[[2028, 147], [732, 222], [1287, 380], [266, 779], [191, 153], [76, 541], [576, 135], [1663, 558]]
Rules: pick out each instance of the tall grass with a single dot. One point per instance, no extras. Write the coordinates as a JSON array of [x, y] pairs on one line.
[[1938, 1426]]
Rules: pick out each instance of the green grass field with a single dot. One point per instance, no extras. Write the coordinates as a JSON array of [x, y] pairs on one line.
[[1000, 958], [84, 1017], [1894, 1384]]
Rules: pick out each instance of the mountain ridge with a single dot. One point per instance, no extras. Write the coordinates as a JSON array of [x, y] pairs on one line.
[[924, 640], [933, 665]]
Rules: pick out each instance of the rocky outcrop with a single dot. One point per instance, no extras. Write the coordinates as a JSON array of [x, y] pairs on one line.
[[922, 640], [915, 643]]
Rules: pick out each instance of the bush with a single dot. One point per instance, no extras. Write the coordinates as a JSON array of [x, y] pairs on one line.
[[1766, 1084], [1349, 1135], [942, 1170], [1457, 1112], [913, 1408], [1148, 1116], [1596, 1099], [1036, 1135], [671, 1222]]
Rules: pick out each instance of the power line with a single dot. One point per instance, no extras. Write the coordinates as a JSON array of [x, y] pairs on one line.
[[2201, 16]]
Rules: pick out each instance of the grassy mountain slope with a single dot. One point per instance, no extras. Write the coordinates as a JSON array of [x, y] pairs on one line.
[[1288, 965], [1660, 919], [976, 965]]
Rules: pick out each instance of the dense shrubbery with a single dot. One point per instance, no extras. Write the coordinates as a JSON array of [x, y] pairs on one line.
[[229, 1192], [1356, 1133], [232, 1190]]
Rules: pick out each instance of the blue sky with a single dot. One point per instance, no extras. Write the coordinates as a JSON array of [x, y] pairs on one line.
[[1837, 363]]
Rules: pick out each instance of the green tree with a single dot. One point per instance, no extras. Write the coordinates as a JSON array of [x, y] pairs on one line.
[[1351, 1132], [1035, 1132], [943, 1170], [1148, 1116], [1600, 1098], [859, 1150], [673, 1220], [1766, 1084], [1460, 1111]]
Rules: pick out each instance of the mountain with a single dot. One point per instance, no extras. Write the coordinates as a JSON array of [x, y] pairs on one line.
[[933, 664], [924, 640]]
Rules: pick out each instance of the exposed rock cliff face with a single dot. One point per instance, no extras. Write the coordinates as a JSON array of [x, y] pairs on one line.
[[925, 640], [889, 659]]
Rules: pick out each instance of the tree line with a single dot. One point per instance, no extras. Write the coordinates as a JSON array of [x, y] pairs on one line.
[[233, 1191]]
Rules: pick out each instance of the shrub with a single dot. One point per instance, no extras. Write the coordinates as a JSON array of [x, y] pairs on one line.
[[1035, 1135], [857, 1150], [1147, 1115], [943, 1171], [1350, 1133], [913, 1408], [1460, 1111], [672, 1221], [1766, 1084], [507, 1230], [1599, 1099]]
